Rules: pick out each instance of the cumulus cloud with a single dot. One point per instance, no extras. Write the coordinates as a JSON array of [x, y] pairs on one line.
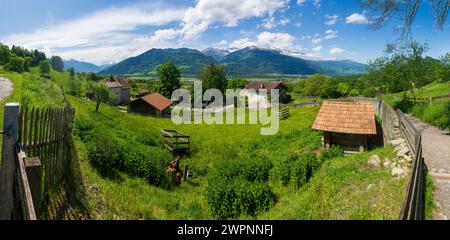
[[356, 18], [331, 34], [207, 12], [270, 23], [331, 19], [336, 51], [300, 2], [277, 40]]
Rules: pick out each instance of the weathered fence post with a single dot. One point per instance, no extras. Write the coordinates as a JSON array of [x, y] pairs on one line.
[[8, 165], [185, 172], [33, 169]]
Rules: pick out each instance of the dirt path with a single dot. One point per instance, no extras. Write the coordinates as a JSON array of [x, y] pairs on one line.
[[5, 88], [436, 152]]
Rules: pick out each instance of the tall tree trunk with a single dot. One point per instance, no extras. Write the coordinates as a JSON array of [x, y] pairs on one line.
[[97, 107]]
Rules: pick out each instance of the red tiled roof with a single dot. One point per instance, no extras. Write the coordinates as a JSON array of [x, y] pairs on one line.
[[350, 118], [257, 85], [117, 82], [158, 101]]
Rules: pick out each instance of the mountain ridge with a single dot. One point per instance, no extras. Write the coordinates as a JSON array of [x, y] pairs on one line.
[[248, 61]]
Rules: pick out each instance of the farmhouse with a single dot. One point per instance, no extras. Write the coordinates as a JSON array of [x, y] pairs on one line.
[[120, 88], [346, 124], [254, 99], [153, 104]]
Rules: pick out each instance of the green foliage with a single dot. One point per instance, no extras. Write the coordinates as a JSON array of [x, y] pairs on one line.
[[90, 76], [329, 90], [74, 86], [251, 170], [405, 105], [313, 85], [299, 168], [101, 93], [214, 77], [169, 76], [354, 93], [44, 68], [402, 68], [438, 114], [237, 83], [333, 152], [33, 58], [4, 54], [16, 64], [57, 63], [233, 198], [107, 152]]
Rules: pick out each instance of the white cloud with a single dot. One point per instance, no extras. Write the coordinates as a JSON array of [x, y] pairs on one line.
[[207, 12], [278, 40], [101, 34], [317, 49], [331, 19], [300, 2], [356, 18], [317, 3], [284, 21], [336, 51], [330, 34], [269, 23]]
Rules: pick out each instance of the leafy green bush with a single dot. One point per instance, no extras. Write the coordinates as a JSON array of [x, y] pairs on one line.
[[298, 169], [333, 152], [82, 127], [236, 197], [107, 152], [405, 105], [304, 168], [240, 187], [251, 170]]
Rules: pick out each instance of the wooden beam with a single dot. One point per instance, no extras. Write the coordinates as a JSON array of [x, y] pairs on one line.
[[8, 165], [33, 170]]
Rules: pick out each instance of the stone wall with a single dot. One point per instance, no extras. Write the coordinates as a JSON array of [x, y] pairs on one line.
[[391, 129]]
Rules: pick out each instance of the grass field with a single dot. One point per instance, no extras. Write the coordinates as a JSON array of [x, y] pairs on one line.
[[343, 188]]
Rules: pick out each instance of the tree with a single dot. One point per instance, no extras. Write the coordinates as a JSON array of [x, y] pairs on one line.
[[5, 54], [402, 68], [57, 63], [329, 90], [169, 76], [90, 76], [237, 83], [314, 83], [214, 77], [44, 68], [343, 89], [37, 57], [16, 64], [72, 72], [386, 10], [101, 94]]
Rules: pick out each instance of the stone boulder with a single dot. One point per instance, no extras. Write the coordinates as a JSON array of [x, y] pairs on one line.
[[397, 142], [374, 161], [398, 172]]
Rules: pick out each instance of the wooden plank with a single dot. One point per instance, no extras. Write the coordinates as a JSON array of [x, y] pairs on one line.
[[8, 165], [33, 170], [25, 130], [25, 197]]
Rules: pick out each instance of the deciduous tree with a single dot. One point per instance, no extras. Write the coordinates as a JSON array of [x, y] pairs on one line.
[[169, 76]]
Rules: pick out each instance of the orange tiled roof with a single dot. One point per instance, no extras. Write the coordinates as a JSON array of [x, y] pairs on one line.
[[351, 118], [158, 101]]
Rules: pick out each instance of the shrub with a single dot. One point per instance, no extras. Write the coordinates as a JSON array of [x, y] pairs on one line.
[[405, 105], [82, 128], [333, 152], [304, 168], [107, 152], [236, 197], [240, 188], [250, 170]]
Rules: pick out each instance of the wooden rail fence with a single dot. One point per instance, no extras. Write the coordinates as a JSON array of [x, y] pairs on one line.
[[175, 141], [283, 114], [413, 205], [429, 100], [36, 158]]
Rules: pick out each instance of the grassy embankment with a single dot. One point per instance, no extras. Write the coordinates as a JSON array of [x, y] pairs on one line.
[[437, 114]]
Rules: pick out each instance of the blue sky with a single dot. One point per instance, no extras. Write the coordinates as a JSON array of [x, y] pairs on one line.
[[105, 31]]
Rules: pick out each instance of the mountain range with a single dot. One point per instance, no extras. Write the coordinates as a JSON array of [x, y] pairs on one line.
[[81, 66], [250, 61]]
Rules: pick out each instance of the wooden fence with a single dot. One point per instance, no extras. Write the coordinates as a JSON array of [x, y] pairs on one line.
[[176, 142], [37, 149], [283, 114], [413, 205], [429, 100]]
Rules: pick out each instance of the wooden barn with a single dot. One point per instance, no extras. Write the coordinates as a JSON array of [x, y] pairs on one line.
[[153, 104], [346, 124]]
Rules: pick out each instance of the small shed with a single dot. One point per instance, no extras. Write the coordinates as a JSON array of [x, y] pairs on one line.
[[153, 104], [346, 124]]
